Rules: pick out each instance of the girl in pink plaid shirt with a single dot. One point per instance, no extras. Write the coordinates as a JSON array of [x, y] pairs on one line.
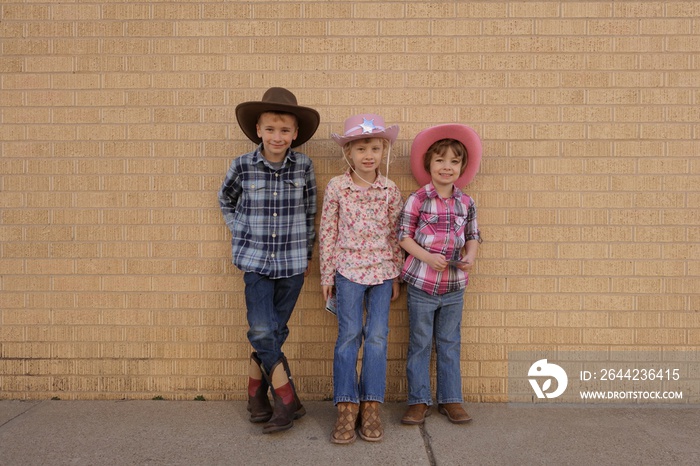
[[438, 230]]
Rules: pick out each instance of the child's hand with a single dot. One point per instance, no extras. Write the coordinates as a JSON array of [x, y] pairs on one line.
[[395, 290], [437, 262], [466, 265], [327, 291]]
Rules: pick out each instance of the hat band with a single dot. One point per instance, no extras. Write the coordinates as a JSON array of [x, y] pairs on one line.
[[367, 127]]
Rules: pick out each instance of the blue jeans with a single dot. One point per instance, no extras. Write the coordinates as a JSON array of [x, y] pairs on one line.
[[439, 317], [353, 298], [270, 303]]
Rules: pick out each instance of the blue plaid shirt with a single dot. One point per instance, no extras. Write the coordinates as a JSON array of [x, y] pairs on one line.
[[270, 213]]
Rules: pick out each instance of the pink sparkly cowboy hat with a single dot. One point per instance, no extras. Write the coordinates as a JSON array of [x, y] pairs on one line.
[[366, 125], [461, 133], [277, 99]]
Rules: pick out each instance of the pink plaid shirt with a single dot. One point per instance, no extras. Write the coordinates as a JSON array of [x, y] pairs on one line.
[[358, 231], [441, 226]]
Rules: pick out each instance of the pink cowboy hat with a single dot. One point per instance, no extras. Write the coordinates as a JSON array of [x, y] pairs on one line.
[[461, 133], [366, 125]]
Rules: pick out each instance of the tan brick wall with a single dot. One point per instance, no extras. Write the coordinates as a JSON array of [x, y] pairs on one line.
[[117, 127]]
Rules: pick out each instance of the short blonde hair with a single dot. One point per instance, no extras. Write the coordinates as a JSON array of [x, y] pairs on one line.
[[348, 146]]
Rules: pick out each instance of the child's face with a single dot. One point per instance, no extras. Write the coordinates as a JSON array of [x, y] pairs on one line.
[[365, 156], [277, 132], [445, 168]]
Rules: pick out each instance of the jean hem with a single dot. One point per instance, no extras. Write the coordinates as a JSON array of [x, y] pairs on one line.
[[451, 400], [372, 398], [418, 402], [345, 399]]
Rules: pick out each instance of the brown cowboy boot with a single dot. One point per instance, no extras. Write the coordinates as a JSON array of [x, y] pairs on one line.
[[258, 402], [416, 414], [371, 428], [287, 405], [346, 423], [300, 410], [454, 412]]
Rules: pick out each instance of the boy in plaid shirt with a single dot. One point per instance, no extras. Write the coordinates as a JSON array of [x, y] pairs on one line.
[[268, 201]]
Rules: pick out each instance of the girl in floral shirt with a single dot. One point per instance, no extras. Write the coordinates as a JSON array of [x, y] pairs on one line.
[[361, 257]]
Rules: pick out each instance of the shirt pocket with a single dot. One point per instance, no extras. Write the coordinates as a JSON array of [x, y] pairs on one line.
[[460, 223], [254, 194], [294, 189], [427, 224]]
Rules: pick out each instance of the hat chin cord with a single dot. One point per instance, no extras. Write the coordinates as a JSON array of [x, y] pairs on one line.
[[388, 157]]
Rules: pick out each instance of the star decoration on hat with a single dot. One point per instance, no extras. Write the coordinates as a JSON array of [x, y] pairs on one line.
[[367, 126]]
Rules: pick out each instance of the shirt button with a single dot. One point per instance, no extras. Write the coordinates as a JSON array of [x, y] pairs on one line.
[[252, 186], [274, 235], [275, 214], [272, 255], [275, 193]]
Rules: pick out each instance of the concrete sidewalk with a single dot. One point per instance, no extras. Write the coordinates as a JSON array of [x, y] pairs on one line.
[[213, 432]]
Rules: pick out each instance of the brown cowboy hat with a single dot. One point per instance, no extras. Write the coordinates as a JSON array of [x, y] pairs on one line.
[[277, 99]]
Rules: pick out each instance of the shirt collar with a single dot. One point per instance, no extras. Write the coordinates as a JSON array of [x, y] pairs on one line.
[[258, 157], [347, 183], [432, 192]]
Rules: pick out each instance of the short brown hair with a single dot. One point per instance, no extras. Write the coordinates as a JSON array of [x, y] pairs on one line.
[[279, 114], [439, 148]]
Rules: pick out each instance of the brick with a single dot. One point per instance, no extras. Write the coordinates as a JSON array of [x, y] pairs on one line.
[[126, 12], [126, 283], [26, 81], [174, 46], [608, 336], [27, 283], [636, 285], [98, 265], [639, 10], [62, 64], [150, 28], [681, 285], [26, 46], [428, 10], [563, 97], [594, 303], [102, 98], [561, 27], [584, 285], [556, 336], [608, 267], [504, 335], [201, 28], [560, 268], [140, 304], [75, 47], [661, 336]]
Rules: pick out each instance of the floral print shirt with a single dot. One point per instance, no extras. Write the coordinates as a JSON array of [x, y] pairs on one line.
[[358, 231]]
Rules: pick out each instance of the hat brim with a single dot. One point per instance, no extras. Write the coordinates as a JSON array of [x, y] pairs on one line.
[[461, 133], [390, 133], [248, 113]]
